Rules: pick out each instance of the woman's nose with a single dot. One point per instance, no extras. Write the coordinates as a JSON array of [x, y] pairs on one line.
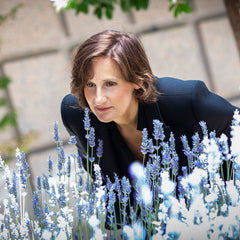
[[100, 97]]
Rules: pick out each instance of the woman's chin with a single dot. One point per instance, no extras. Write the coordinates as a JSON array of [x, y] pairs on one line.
[[104, 119]]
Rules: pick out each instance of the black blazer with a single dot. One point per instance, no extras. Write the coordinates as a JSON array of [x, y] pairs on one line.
[[180, 106]]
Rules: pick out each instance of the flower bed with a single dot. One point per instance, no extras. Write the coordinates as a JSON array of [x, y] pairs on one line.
[[71, 205]]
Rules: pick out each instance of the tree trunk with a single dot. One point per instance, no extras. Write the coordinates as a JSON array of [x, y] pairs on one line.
[[233, 11]]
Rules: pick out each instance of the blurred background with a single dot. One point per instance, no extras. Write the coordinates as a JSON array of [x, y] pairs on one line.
[[36, 47]]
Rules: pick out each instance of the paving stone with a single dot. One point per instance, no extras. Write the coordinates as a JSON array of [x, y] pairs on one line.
[[38, 86], [35, 27], [223, 55], [170, 55], [83, 26]]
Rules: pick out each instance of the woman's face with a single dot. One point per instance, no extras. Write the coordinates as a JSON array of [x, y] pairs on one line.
[[109, 96]]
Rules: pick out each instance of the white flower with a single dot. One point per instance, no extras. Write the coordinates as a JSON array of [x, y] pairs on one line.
[[46, 235], [136, 232], [232, 192], [167, 186], [100, 192], [59, 4], [93, 221], [137, 170], [146, 194]]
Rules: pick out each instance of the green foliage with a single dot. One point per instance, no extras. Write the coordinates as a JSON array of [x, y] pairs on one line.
[[179, 6], [106, 7], [4, 82], [10, 117]]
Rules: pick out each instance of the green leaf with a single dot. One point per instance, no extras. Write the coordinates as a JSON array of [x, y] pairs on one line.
[[171, 7], [125, 5], [182, 8], [186, 8], [4, 81], [3, 102], [8, 119], [138, 4], [71, 4], [176, 12], [145, 4], [98, 12], [109, 11], [82, 7]]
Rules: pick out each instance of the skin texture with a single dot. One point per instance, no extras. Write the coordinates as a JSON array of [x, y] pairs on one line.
[[109, 96]]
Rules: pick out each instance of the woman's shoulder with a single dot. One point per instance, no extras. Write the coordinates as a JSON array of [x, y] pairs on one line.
[[173, 86], [69, 101], [70, 110]]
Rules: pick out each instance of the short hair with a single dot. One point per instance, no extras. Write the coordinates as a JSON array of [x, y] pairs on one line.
[[127, 51]]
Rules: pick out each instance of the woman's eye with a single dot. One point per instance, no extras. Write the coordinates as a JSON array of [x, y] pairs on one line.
[[89, 84], [109, 84]]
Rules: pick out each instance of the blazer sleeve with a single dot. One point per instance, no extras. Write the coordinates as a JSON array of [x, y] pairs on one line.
[[216, 111]]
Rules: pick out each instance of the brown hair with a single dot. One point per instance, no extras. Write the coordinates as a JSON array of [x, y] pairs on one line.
[[127, 51]]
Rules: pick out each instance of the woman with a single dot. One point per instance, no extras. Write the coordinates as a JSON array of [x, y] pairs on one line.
[[112, 77]]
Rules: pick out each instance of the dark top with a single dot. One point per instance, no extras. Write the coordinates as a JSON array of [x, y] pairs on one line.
[[180, 106]]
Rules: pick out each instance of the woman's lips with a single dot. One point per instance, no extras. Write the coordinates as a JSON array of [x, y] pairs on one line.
[[102, 109]]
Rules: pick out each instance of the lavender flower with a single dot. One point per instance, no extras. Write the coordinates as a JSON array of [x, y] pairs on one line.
[[45, 182], [144, 145], [91, 137], [86, 119], [187, 151], [100, 148], [204, 128], [197, 147], [39, 183], [174, 164], [63, 195], [72, 140], [158, 131], [151, 148], [37, 209], [50, 165], [166, 155], [172, 142], [23, 179], [79, 161], [61, 158], [110, 205], [69, 167], [56, 137], [13, 188]]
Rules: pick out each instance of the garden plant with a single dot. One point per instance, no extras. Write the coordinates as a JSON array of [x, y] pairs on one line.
[[70, 204]]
